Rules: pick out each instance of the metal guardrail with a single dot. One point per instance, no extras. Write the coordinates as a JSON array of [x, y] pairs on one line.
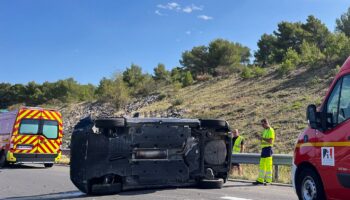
[[246, 158], [254, 158], [65, 152]]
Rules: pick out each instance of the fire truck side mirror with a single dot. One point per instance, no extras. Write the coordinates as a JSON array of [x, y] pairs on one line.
[[311, 115]]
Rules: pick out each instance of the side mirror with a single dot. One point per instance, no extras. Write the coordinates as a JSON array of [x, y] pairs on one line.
[[311, 115]]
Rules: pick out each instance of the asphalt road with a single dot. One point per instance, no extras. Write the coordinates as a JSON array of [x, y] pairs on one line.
[[36, 182]]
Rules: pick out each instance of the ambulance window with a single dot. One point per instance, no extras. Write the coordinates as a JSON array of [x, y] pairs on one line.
[[50, 129], [29, 126], [344, 103]]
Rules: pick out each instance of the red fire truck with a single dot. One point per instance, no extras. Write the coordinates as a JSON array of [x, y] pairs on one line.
[[321, 167]]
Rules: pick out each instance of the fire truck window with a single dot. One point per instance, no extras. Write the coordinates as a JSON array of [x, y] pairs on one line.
[[333, 101], [344, 103], [50, 129], [29, 126]]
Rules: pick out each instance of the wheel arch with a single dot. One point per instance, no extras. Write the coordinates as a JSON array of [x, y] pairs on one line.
[[307, 165]]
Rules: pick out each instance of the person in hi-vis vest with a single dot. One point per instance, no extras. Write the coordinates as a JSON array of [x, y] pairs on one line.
[[267, 140], [237, 147]]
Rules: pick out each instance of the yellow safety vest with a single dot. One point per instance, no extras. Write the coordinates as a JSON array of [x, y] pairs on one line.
[[268, 134], [237, 145]]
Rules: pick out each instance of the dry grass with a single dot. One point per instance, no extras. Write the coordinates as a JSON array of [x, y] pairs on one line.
[[250, 172], [243, 103], [64, 160]]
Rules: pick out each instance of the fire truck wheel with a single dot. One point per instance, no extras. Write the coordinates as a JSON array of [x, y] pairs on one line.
[[309, 185], [109, 122], [48, 165], [2, 159]]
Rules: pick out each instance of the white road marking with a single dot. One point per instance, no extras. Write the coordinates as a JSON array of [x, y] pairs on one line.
[[233, 198]]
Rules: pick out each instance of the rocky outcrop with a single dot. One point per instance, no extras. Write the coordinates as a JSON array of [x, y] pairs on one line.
[[73, 113]]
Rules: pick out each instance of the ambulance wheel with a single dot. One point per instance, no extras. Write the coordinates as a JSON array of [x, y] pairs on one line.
[[109, 122], [309, 185], [2, 159], [210, 184], [48, 165]]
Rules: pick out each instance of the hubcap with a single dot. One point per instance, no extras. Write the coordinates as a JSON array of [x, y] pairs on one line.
[[308, 189]]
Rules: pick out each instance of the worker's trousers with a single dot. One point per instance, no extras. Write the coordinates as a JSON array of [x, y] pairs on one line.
[[265, 170]]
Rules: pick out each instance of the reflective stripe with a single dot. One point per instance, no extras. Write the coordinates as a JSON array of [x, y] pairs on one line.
[[324, 144], [265, 170]]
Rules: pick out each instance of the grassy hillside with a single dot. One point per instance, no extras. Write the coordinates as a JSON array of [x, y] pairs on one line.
[[243, 103]]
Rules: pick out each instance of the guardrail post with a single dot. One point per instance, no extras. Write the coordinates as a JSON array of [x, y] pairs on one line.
[[276, 173]]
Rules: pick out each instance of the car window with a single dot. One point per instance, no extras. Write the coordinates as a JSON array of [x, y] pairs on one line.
[[29, 126], [50, 129], [333, 102]]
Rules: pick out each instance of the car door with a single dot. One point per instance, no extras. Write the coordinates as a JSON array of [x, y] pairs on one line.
[[26, 131], [49, 126], [334, 143]]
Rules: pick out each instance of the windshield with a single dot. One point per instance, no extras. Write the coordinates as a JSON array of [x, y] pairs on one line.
[[50, 129], [29, 126]]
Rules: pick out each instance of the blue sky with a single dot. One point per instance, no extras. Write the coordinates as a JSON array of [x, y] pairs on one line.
[[45, 40]]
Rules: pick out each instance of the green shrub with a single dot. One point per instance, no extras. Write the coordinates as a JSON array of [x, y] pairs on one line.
[[161, 96], [259, 72], [292, 56], [311, 55], [177, 102], [187, 80], [286, 67], [176, 86], [290, 62], [297, 105], [247, 73]]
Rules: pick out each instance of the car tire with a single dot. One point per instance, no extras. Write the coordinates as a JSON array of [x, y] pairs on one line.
[[48, 165], [109, 122], [213, 123], [105, 189], [309, 185], [210, 184], [3, 161]]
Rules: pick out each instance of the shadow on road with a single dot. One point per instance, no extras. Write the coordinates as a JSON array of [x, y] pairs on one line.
[[242, 185], [19, 166], [52, 196]]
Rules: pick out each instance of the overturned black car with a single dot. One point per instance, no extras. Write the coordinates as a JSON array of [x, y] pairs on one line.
[[113, 154]]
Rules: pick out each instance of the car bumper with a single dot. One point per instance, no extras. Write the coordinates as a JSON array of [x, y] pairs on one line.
[[32, 158]]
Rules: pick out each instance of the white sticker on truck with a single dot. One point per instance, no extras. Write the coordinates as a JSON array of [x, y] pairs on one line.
[[327, 156]]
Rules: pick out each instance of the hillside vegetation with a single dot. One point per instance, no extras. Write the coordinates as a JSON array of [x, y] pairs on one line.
[[243, 103]]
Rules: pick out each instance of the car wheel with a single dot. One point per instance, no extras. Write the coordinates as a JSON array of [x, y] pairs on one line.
[[104, 189], [309, 186], [210, 184], [213, 123], [2, 159], [109, 122], [48, 165]]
